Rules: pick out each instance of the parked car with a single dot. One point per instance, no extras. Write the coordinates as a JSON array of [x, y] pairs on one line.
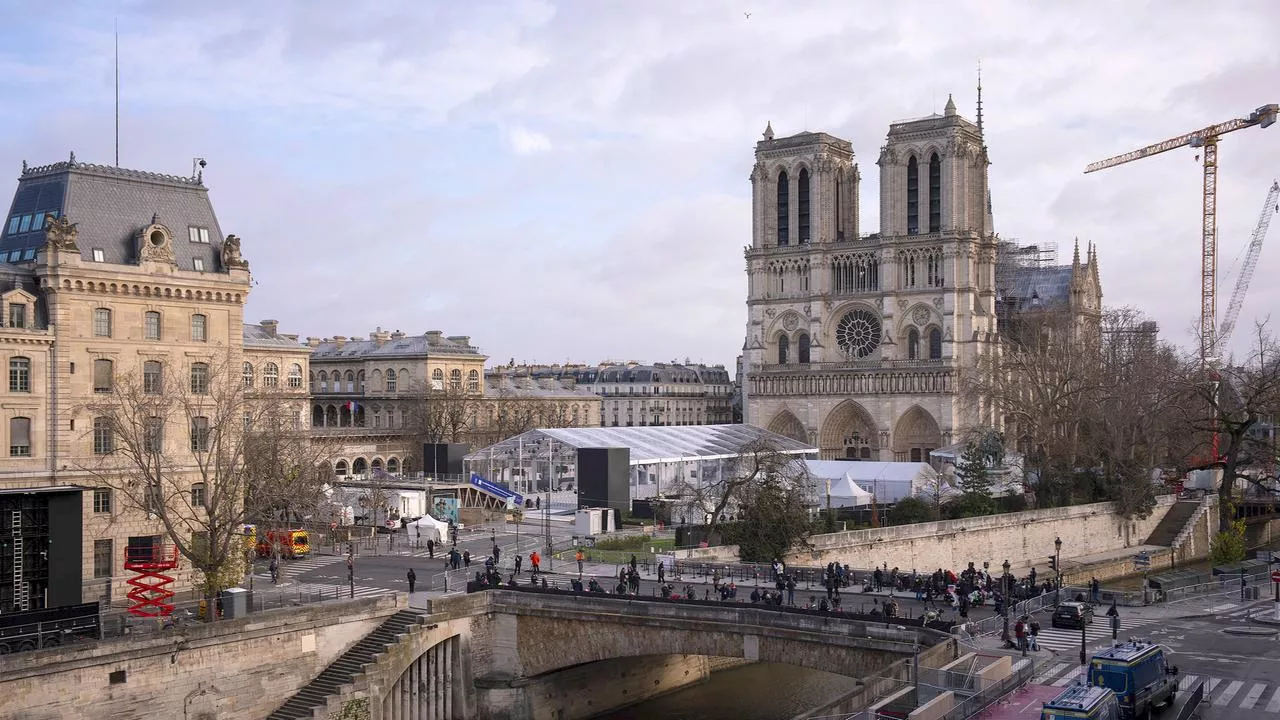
[[1072, 615]]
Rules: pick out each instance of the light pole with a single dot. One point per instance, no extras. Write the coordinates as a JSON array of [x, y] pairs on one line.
[[1057, 566], [351, 568], [1083, 660], [1004, 587]]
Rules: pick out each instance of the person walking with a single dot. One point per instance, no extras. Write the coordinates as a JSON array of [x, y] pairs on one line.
[[497, 553], [431, 548], [1095, 591], [466, 558], [535, 560], [412, 578], [662, 573], [1035, 634], [275, 571], [579, 557], [519, 559]]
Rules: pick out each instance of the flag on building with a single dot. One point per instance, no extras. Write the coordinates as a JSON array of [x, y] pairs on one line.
[[351, 406]]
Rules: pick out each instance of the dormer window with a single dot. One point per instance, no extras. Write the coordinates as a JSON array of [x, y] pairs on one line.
[[99, 255], [17, 315], [198, 235], [198, 264]]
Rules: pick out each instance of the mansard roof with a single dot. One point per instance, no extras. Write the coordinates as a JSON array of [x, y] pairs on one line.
[[265, 336], [398, 346], [111, 206]]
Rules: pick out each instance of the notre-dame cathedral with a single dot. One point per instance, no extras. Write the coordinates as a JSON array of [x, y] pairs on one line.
[[858, 343]]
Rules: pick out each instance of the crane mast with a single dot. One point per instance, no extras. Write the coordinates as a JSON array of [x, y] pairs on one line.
[[1207, 140], [1250, 264]]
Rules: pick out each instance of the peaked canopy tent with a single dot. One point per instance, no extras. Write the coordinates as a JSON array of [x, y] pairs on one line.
[[662, 458], [888, 482]]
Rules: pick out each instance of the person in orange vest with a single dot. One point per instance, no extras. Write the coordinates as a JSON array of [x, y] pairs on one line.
[[534, 560], [579, 557]]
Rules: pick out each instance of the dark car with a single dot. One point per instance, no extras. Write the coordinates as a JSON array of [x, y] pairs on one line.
[[1072, 615]]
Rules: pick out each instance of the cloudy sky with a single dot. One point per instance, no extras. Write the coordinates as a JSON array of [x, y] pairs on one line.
[[568, 180]]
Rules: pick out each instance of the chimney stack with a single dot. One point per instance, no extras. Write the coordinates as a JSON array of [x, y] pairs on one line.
[[270, 326], [339, 341]]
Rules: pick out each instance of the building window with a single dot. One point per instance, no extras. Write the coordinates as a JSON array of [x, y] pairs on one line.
[[803, 205], [933, 268], [151, 325], [271, 375], [913, 196], [99, 255], [101, 322], [295, 377], [351, 381], [200, 434], [935, 194], [935, 344], [248, 375], [199, 328], [784, 349], [103, 558], [197, 495], [473, 381], [20, 437], [455, 379], [153, 435], [437, 379], [103, 375], [360, 381], [17, 315], [199, 379], [247, 419], [19, 375], [198, 234], [784, 209], [391, 380], [152, 377], [104, 440], [102, 500], [913, 344], [803, 349], [197, 264]]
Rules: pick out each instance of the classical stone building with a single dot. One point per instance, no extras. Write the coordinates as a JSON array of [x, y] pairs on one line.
[[636, 394], [109, 276], [858, 343], [383, 396]]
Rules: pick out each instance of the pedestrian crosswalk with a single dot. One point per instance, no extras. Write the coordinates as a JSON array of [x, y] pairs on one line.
[[1247, 695], [1096, 633]]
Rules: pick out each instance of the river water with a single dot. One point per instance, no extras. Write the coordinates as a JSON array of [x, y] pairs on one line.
[[760, 691]]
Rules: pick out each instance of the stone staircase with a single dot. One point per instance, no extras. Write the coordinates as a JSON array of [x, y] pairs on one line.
[[1171, 526], [343, 671]]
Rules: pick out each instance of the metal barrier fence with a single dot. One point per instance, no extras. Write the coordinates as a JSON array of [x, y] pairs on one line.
[[118, 622], [977, 703]]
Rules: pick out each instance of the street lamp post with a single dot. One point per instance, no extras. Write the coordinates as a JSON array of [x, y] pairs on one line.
[[1057, 562], [1004, 587], [1083, 660], [351, 568]]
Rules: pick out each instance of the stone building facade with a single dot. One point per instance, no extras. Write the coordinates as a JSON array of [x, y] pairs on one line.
[[635, 394], [380, 398], [109, 276], [859, 343]]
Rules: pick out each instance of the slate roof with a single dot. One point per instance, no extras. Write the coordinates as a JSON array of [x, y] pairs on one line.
[[651, 444], [23, 277], [409, 346], [256, 335], [531, 388], [624, 373], [1041, 287], [111, 206]]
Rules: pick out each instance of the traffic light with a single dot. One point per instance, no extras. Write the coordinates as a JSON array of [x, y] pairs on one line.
[[1053, 563]]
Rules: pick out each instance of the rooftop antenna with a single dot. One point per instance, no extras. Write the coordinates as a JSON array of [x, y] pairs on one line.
[[979, 98], [117, 32]]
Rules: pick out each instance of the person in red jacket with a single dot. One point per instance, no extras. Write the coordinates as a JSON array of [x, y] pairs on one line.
[[535, 559]]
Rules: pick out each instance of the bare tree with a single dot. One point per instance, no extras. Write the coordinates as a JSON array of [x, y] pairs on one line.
[[728, 493], [171, 442]]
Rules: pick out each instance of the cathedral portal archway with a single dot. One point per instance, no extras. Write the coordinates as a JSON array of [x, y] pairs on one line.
[[849, 433], [788, 425], [914, 435]]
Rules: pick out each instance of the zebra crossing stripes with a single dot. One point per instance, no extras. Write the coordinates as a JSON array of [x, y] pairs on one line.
[[1274, 705], [1223, 698], [334, 591], [1063, 639], [1251, 698]]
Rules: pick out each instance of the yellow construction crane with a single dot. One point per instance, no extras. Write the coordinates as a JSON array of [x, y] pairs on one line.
[[1207, 140]]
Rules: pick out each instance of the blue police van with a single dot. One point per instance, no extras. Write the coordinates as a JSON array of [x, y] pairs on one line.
[[1082, 702], [1138, 674]]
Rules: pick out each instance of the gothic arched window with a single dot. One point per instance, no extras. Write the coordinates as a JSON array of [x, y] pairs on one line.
[[935, 194], [784, 348], [913, 344], [784, 209], [803, 348], [935, 344], [803, 205], [913, 196]]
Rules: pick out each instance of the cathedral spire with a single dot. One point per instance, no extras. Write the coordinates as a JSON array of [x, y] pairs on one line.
[[768, 130], [979, 98], [1075, 260]]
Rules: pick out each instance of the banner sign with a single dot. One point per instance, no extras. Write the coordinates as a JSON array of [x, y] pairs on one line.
[[496, 489]]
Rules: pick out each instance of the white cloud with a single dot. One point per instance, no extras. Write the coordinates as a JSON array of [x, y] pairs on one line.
[[527, 142]]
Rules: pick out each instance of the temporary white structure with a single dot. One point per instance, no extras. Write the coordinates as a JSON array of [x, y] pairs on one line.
[[428, 528], [888, 482], [839, 492]]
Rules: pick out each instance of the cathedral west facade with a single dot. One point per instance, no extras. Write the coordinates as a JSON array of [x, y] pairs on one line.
[[859, 344]]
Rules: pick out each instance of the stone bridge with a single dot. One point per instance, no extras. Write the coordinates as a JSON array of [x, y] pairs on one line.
[[523, 654]]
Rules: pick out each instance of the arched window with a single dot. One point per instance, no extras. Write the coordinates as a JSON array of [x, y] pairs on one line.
[[248, 375], [935, 194], [913, 196], [340, 467], [935, 344], [473, 381], [404, 379], [803, 350], [324, 381], [803, 205], [377, 379], [360, 381], [784, 349], [295, 376], [317, 416], [455, 379], [437, 379], [784, 209], [393, 465], [359, 466], [840, 205], [376, 464], [391, 380], [311, 381], [351, 381], [913, 344], [271, 375]]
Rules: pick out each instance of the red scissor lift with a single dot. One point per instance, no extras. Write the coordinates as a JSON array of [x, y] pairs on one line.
[[151, 593]]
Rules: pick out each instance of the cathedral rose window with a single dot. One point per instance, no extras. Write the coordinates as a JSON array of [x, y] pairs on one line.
[[858, 333]]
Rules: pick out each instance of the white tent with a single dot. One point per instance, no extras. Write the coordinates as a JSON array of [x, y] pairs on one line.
[[838, 492], [889, 482], [428, 528]]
